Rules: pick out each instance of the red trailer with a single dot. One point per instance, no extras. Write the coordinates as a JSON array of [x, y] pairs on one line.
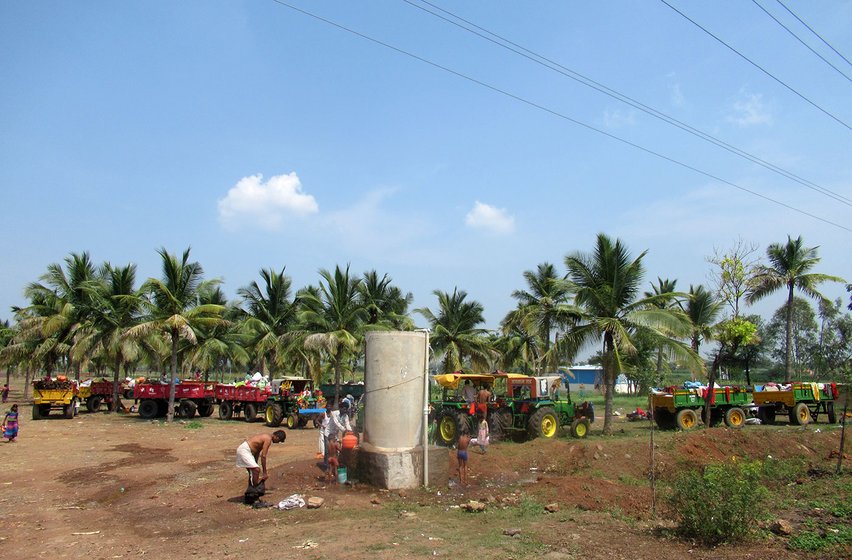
[[249, 400], [190, 397], [98, 392]]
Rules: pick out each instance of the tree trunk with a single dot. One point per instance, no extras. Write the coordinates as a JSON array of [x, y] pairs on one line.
[[711, 381], [170, 414], [116, 394], [338, 357], [609, 382], [788, 363]]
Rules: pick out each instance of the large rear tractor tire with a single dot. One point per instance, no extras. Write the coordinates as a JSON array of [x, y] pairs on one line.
[[148, 409], [800, 415], [499, 422], [250, 412], [832, 416], [580, 428], [735, 417], [188, 409], [448, 428], [686, 419], [274, 415], [543, 423]]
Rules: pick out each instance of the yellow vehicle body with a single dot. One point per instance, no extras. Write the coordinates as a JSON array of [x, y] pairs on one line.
[[54, 396]]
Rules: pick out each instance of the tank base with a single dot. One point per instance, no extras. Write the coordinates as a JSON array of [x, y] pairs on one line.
[[397, 470]]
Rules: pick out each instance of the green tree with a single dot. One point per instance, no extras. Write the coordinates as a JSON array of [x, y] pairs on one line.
[[731, 273], [455, 335], [606, 283], [385, 303], [334, 318], [172, 309], [789, 267], [804, 335], [661, 288], [731, 334]]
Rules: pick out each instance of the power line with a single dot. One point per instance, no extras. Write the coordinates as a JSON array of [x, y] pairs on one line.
[[585, 80], [814, 32], [556, 113], [756, 65], [799, 39]]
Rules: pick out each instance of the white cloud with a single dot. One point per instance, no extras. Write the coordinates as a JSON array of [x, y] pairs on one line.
[[618, 119], [489, 218], [253, 203], [749, 110]]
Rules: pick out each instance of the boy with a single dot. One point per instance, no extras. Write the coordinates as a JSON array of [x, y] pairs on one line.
[[461, 453], [333, 461]]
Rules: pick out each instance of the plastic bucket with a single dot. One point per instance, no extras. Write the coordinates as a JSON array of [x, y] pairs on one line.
[[341, 475]]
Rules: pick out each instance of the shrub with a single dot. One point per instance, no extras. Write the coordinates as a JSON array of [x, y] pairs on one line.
[[720, 504]]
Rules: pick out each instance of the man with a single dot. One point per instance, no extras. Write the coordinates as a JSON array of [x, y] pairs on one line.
[[468, 392], [257, 446], [482, 398]]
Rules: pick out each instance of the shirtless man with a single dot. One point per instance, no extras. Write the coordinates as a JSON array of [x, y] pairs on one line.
[[482, 398], [254, 447]]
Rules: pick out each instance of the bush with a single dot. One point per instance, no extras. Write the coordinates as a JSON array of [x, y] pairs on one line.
[[721, 504]]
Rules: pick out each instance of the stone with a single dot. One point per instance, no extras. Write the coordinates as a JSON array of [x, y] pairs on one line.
[[315, 502], [473, 506], [375, 501], [781, 527], [551, 508], [511, 532]]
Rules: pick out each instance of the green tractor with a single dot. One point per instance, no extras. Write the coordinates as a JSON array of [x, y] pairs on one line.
[[521, 407]]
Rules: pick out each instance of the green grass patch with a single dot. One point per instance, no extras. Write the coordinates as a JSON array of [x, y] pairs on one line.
[[194, 425], [822, 540]]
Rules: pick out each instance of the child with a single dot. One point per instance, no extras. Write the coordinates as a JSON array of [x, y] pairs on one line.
[[10, 424], [332, 446], [482, 437], [461, 453]]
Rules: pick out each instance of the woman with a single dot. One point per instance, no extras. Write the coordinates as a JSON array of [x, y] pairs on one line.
[[10, 424]]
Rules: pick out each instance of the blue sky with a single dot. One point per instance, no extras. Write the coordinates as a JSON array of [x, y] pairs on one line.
[[262, 137]]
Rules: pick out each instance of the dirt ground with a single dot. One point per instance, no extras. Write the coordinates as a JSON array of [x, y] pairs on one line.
[[115, 486]]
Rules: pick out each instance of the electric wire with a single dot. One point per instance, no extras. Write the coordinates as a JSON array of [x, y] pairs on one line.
[[792, 13], [589, 82], [557, 114], [799, 39], [756, 65]]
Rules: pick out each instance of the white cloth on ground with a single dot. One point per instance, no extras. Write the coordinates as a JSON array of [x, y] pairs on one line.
[[245, 458]]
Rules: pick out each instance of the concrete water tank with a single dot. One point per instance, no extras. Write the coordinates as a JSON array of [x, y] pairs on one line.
[[394, 372]]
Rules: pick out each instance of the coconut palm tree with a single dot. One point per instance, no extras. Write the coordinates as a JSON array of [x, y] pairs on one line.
[[455, 334], [333, 318], [606, 283], [789, 267], [663, 288], [385, 303], [220, 342], [172, 309], [543, 307]]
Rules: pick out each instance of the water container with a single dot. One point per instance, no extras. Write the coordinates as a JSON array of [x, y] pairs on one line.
[[341, 475], [350, 440]]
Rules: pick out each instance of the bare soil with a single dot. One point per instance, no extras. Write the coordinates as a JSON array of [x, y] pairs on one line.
[[115, 486]]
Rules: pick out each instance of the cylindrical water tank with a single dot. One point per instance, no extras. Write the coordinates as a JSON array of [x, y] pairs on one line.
[[394, 368]]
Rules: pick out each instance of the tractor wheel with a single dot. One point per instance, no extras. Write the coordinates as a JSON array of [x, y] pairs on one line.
[[580, 428], [735, 417], [187, 409], [766, 414], [686, 419], [36, 412], [800, 415], [829, 409], [68, 410], [303, 421], [293, 421], [664, 419], [162, 407], [93, 403], [226, 410], [205, 410], [448, 428], [128, 394], [543, 423], [250, 412], [274, 415], [495, 426], [148, 409]]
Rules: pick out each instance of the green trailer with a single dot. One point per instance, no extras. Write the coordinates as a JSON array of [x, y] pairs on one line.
[[802, 403], [683, 408]]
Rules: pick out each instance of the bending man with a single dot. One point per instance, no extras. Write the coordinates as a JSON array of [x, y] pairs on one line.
[[257, 447]]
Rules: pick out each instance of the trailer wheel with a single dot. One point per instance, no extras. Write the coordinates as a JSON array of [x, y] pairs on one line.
[[93, 403], [148, 408], [686, 419], [188, 409], [68, 410], [250, 412], [205, 410], [800, 415], [829, 409], [36, 412], [226, 410], [735, 417], [580, 428], [128, 394], [274, 415], [543, 423]]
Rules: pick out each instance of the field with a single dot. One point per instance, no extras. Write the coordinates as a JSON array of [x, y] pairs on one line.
[[115, 486]]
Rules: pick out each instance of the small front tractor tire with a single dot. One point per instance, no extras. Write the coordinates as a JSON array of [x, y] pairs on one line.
[[800, 415], [735, 417], [274, 415], [293, 421], [543, 423], [686, 419], [580, 428]]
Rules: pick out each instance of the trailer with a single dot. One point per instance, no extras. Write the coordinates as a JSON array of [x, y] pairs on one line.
[[54, 394], [191, 397], [683, 408], [98, 392], [802, 403], [245, 399]]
